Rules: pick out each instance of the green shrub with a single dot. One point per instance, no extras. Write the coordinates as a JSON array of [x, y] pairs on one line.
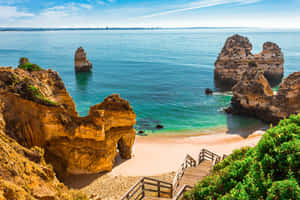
[[286, 189], [32, 93], [270, 170], [30, 67]]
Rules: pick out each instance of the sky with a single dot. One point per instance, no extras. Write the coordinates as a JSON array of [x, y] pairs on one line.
[[150, 13]]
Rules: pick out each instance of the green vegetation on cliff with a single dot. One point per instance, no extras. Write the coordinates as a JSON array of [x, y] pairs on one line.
[[30, 67], [32, 93], [270, 170]]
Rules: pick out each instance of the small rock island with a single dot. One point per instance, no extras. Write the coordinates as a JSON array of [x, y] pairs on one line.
[[82, 64], [235, 55]]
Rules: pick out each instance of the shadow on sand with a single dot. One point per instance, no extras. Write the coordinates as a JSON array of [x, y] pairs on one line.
[[244, 126]]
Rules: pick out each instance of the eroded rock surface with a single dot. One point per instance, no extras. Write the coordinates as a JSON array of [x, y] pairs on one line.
[[38, 111], [233, 61], [24, 174], [82, 64], [253, 96]]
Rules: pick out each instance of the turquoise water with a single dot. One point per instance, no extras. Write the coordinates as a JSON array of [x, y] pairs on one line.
[[163, 73]]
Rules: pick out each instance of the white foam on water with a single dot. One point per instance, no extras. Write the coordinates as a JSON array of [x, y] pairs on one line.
[[223, 94]]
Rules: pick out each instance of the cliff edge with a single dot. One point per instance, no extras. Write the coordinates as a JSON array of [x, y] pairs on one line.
[[38, 111]]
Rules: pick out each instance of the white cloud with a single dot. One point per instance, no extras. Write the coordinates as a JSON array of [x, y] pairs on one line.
[[66, 9], [7, 12], [100, 2], [86, 6], [198, 5]]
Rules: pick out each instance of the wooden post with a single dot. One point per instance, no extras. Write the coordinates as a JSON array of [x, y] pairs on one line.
[[158, 188], [143, 189], [171, 195]]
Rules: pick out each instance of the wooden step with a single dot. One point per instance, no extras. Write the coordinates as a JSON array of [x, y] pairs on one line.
[[193, 175], [155, 198]]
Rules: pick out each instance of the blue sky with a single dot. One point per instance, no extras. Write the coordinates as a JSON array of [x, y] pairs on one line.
[[150, 13]]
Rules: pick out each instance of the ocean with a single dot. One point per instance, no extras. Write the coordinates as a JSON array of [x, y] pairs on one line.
[[163, 73]]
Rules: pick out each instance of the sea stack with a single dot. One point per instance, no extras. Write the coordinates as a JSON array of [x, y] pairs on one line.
[[38, 111], [253, 96], [82, 64], [233, 61]]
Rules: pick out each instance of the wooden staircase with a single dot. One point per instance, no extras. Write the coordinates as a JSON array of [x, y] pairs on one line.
[[189, 174], [193, 175]]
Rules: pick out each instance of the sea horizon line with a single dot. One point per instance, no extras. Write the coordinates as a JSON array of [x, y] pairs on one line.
[[3, 29]]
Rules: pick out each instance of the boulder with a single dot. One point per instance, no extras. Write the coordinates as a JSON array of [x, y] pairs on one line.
[[233, 61], [253, 96], [208, 91], [23, 61], [38, 111], [82, 64], [159, 126]]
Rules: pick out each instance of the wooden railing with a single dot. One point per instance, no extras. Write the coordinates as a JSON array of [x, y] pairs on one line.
[[189, 161], [206, 154], [148, 186], [156, 188], [180, 194]]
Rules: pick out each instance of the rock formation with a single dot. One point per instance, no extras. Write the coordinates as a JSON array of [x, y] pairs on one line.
[[24, 173], [23, 61], [235, 55], [82, 64], [253, 96], [38, 111]]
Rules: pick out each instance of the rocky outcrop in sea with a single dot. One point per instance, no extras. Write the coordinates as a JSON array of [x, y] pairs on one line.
[[253, 96], [38, 111], [233, 61], [82, 64]]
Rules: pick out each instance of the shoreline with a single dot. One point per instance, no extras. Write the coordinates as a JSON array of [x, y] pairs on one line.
[[166, 152], [157, 156]]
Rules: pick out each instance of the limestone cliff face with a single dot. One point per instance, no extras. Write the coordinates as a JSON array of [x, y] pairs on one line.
[[25, 175], [253, 96], [235, 55], [38, 111], [82, 64]]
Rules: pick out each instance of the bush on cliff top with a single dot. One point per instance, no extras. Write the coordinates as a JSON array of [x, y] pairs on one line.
[[270, 170], [32, 93], [30, 67]]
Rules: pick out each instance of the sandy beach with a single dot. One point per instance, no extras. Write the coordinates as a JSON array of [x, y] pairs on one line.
[[159, 157], [153, 155]]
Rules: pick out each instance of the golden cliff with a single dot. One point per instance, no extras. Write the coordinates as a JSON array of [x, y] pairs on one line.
[[38, 111], [253, 96], [25, 175], [233, 61]]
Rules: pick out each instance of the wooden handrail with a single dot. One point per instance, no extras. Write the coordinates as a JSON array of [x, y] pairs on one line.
[[181, 192], [206, 154], [132, 191], [137, 192], [189, 161]]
